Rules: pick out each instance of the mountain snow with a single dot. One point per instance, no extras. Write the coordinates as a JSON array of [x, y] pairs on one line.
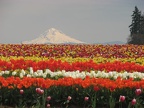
[[52, 36]]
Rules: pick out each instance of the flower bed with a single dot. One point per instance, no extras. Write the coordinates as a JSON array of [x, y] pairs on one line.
[[72, 76]]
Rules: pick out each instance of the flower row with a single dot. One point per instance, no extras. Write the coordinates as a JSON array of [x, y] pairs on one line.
[[84, 50], [65, 92], [56, 65], [98, 83], [73, 74], [139, 60]]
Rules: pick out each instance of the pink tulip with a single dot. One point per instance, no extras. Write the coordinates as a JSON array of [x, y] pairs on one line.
[[69, 98], [48, 98], [38, 90], [48, 105], [138, 92], [41, 91], [86, 98], [133, 102], [121, 98], [21, 91]]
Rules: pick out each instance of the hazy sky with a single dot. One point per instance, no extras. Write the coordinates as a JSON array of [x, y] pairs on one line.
[[91, 21]]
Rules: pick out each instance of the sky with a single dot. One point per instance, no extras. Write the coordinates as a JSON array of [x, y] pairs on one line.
[[90, 21]]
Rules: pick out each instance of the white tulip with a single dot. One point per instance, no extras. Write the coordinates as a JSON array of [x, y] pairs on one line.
[[115, 77], [35, 74], [110, 74], [44, 75], [6, 72], [23, 72], [40, 72], [28, 75], [31, 70], [21, 75], [1, 74], [14, 73]]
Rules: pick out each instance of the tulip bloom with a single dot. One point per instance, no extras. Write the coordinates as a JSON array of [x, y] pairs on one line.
[[21, 91], [69, 98], [48, 105], [86, 98], [39, 91], [121, 98], [48, 98], [138, 92], [133, 102], [96, 88]]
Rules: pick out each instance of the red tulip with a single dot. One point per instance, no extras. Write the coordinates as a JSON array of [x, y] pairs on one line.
[[96, 88]]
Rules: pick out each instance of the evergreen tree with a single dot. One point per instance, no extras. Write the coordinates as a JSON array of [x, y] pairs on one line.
[[142, 24], [136, 17], [136, 28]]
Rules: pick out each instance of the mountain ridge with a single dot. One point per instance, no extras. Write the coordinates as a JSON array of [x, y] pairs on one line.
[[54, 36]]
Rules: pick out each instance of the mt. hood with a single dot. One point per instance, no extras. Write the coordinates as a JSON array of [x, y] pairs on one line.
[[52, 36]]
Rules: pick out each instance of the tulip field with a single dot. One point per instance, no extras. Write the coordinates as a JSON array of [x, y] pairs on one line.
[[71, 76]]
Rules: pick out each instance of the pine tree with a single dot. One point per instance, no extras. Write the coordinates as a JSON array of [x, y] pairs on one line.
[[136, 17], [142, 24], [136, 28]]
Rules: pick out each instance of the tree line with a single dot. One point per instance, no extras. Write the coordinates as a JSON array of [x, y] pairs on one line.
[[136, 28]]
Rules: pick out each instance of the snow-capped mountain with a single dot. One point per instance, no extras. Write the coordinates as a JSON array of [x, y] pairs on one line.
[[52, 36]]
